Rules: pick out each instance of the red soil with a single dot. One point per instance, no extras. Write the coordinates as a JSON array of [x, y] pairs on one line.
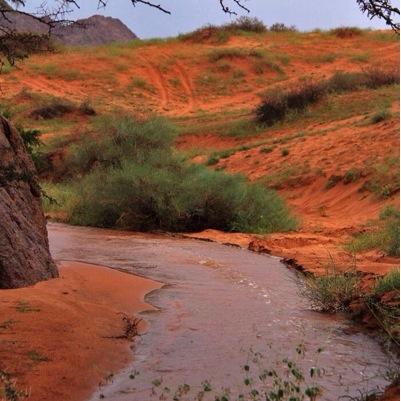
[[69, 322]]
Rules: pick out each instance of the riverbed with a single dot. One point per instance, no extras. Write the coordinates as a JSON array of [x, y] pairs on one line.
[[219, 302]]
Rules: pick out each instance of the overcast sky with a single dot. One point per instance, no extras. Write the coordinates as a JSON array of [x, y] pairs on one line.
[[188, 15]]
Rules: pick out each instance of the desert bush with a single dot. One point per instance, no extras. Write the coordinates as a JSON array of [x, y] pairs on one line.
[[352, 175], [285, 152], [280, 27], [117, 139], [376, 77], [277, 104], [55, 108], [346, 32], [246, 24], [380, 116], [221, 34], [333, 291], [127, 175], [385, 234], [345, 81], [384, 180], [333, 181]]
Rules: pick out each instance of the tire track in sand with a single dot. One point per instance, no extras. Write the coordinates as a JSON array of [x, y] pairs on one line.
[[156, 77], [188, 87]]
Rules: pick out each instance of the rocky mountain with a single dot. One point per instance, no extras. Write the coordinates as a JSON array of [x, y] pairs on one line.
[[95, 30], [24, 250]]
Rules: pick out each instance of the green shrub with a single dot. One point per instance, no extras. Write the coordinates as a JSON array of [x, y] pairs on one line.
[[385, 178], [127, 175], [385, 235], [387, 283], [277, 104]]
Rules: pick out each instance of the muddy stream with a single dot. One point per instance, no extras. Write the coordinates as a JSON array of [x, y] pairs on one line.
[[218, 302]]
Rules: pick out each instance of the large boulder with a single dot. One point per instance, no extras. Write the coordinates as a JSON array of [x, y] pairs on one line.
[[24, 250]]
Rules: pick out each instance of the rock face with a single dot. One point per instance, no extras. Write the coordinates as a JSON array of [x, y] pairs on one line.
[[24, 250]]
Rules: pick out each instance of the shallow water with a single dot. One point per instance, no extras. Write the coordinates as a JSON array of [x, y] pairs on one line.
[[219, 301]]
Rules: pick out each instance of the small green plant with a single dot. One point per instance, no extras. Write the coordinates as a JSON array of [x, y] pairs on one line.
[[280, 27], [37, 356], [380, 116], [285, 152], [383, 304], [384, 179], [333, 181], [352, 175], [212, 160], [384, 235], [360, 58], [387, 283], [51, 71], [25, 307], [266, 149], [332, 291], [262, 380], [140, 83]]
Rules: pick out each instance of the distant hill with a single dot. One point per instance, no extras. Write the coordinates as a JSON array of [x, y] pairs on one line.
[[95, 30]]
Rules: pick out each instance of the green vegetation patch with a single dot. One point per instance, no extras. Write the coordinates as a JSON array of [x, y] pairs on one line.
[[383, 235], [278, 104], [126, 174]]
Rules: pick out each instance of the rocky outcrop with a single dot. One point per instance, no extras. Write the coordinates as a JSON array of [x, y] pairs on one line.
[[24, 250], [95, 30]]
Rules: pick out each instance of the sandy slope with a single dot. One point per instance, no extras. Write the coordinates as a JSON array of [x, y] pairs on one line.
[[56, 337]]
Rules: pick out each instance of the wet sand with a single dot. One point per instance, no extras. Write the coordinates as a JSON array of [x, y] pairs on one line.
[[56, 337]]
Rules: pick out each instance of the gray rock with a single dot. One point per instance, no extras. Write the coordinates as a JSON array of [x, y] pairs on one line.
[[24, 250]]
